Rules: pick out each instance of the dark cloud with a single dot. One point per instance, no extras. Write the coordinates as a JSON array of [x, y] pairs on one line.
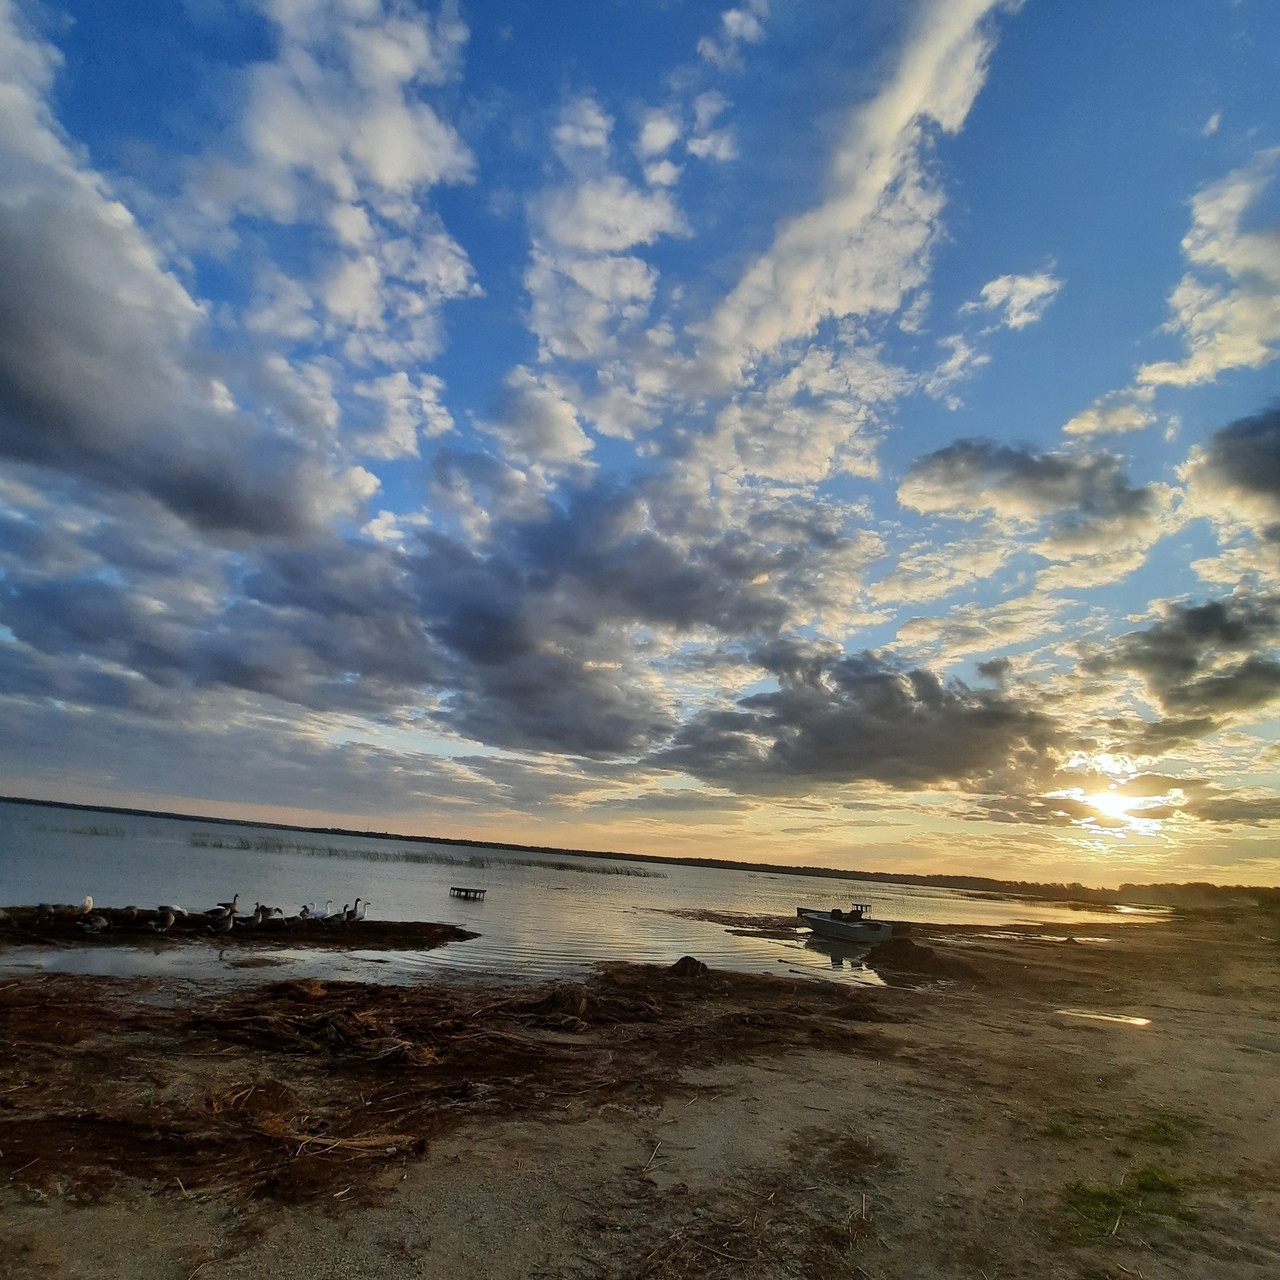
[[836, 719], [1252, 683], [1161, 737], [1244, 457], [74, 618], [1234, 809], [1017, 482], [1203, 660], [559, 703], [997, 669], [105, 376]]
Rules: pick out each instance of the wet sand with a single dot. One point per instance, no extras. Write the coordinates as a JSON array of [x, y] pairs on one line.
[[970, 1120]]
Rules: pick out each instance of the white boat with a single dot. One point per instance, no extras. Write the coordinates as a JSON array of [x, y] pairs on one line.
[[847, 926]]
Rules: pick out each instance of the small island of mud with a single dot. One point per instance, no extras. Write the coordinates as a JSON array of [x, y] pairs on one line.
[[128, 926]]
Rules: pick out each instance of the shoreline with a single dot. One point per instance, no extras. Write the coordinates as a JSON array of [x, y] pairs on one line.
[[1159, 894], [663, 1122]]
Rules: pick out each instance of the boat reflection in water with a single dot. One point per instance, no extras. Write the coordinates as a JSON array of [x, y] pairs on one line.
[[841, 954]]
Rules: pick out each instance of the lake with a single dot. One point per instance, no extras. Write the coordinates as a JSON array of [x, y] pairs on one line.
[[544, 914]]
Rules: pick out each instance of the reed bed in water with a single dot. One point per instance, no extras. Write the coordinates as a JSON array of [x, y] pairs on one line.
[[473, 862]]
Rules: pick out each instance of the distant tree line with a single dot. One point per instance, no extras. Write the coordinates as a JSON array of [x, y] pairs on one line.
[[1194, 894]]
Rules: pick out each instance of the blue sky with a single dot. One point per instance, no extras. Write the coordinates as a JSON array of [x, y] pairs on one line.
[[839, 434]]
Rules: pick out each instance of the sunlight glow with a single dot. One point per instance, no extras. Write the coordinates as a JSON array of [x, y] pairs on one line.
[[1111, 803]]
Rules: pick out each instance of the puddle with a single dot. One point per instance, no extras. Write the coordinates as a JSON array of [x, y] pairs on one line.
[[1123, 1019], [1009, 935]]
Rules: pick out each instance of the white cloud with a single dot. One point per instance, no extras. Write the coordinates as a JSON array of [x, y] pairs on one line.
[[737, 27], [609, 214], [974, 628], [706, 107], [708, 143], [1227, 312], [960, 363], [1022, 300], [335, 139], [659, 132], [354, 292], [716, 145], [1114, 414], [410, 407], [812, 421], [583, 127], [924, 573], [662, 173], [866, 246], [577, 302], [313, 121]]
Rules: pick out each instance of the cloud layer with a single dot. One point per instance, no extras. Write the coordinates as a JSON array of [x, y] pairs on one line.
[[498, 438]]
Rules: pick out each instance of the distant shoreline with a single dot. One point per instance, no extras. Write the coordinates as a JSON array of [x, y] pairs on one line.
[[1184, 894]]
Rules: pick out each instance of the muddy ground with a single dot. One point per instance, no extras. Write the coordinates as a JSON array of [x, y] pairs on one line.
[[969, 1123]]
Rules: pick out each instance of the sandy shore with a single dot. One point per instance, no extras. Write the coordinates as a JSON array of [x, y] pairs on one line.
[[653, 1124]]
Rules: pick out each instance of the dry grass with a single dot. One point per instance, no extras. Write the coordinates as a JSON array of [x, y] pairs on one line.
[[296, 1090]]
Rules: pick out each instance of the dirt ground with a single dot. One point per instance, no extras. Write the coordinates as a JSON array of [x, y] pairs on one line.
[[651, 1123]]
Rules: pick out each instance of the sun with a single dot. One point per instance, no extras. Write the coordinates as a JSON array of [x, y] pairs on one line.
[[1111, 804]]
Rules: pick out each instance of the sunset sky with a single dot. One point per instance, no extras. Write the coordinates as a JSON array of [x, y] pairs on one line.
[[835, 433]]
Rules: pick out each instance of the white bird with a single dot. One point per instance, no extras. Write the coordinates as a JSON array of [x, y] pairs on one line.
[[364, 910], [321, 915]]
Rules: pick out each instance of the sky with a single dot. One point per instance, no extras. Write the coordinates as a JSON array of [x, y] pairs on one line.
[[833, 434]]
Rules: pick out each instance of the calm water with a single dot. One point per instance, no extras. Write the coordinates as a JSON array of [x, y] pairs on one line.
[[545, 915]]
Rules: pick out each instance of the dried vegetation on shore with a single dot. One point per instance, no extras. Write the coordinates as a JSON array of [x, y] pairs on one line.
[[294, 1090]]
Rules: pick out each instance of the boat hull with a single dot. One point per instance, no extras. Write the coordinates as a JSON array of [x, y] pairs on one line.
[[846, 929]]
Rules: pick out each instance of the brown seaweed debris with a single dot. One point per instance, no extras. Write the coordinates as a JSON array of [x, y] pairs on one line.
[[902, 955], [294, 1090]]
